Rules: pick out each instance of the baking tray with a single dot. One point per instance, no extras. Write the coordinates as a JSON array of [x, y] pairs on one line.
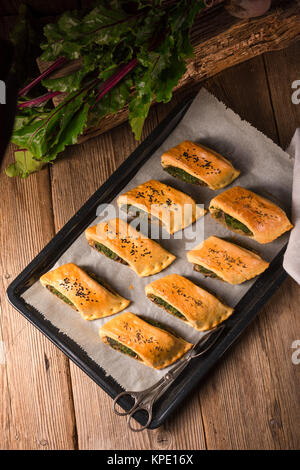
[[245, 311]]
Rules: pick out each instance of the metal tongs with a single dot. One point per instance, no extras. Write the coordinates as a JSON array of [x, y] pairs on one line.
[[145, 399]]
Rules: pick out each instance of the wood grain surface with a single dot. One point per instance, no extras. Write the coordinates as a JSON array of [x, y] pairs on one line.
[[251, 400]]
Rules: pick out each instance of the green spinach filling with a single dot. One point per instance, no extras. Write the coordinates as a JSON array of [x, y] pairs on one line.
[[61, 296], [206, 272], [167, 306], [232, 222], [120, 347], [183, 175], [236, 224], [108, 252], [157, 324]]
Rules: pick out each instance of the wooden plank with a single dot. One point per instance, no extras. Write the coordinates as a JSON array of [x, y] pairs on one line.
[[244, 89], [36, 407], [287, 116], [283, 69], [5, 407], [222, 41], [250, 400], [36, 390]]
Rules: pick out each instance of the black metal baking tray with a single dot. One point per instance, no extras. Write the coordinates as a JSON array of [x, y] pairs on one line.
[[245, 311]]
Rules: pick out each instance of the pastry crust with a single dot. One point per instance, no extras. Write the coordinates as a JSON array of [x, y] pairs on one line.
[[155, 347], [262, 217], [201, 309], [230, 262], [201, 162], [174, 209], [91, 299], [143, 255]]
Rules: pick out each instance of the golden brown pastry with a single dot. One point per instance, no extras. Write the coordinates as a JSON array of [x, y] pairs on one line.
[[196, 164], [174, 209], [249, 214], [121, 242], [84, 292], [227, 261], [148, 343], [187, 301]]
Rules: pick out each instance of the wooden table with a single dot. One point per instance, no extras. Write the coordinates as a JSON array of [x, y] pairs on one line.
[[251, 400]]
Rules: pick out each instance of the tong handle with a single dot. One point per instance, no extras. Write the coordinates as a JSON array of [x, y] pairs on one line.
[[148, 409], [142, 399], [145, 399], [123, 394], [217, 331]]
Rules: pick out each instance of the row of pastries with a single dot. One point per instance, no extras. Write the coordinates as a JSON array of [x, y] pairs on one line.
[[239, 209]]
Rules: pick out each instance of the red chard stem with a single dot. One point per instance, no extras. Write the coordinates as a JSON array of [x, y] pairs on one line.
[[57, 64], [39, 100], [115, 78]]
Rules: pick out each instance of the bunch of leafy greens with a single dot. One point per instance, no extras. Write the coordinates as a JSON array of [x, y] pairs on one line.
[[130, 53]]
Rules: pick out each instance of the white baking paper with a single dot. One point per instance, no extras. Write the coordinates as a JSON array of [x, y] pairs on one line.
[[265, 168]]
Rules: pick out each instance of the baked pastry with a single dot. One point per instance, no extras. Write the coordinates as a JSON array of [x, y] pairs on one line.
[[121, 242], [175, 210], [249, 214], [143, 340], [196, 164], [227, 261], [84, 291], [187, 301]]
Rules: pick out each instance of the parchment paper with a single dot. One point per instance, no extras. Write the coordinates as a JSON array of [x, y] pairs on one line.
[[265, 168]]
